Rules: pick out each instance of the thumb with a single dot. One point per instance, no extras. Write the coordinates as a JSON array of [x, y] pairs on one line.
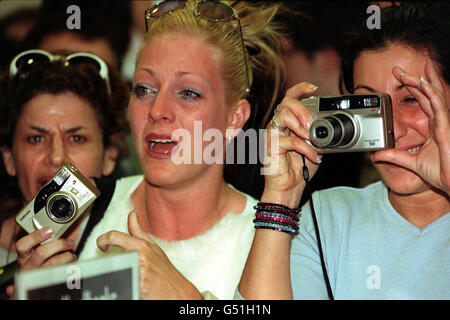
[[401, 158], [10, 291], [134, 227]]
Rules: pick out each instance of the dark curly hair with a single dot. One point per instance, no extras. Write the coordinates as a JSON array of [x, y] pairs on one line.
[[82, 80], [422, 26]]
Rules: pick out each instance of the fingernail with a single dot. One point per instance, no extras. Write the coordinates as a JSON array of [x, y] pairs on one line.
[[403, 74], [312, 86], [429, 61], [46, 232], [70, 242], [319, 158]]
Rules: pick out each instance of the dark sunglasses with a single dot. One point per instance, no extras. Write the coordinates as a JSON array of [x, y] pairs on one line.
[[24, 60], [210, 10]]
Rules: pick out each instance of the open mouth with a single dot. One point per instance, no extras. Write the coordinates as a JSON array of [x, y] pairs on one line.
[[160, 146], [164, 146], [42, 182]]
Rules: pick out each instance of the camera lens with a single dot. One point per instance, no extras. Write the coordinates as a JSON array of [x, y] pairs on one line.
[[321, 132], [348, 129], [336, 130], [61, 208]]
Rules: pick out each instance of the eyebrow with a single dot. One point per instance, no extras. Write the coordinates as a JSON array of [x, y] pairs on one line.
[[185, 73], [399, 87], [363, 87], [44, 131], [178, 73]]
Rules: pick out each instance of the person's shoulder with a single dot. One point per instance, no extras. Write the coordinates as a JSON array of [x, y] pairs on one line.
[[246, 200], [339, 204], [337, 194], [130, 179], [128, 183]]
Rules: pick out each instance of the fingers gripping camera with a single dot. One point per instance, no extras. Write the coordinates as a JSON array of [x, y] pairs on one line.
[[351, 123], [59, 203]]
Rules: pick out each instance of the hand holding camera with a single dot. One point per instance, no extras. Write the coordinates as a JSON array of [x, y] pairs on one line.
[[59, 203], [318, 125], [285, 145], [49, 215]]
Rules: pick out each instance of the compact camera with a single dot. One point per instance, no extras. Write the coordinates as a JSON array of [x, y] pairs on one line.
[[351, 123], [59, 202]]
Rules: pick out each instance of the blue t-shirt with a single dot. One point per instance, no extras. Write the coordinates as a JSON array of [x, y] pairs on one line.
[[371, 251]]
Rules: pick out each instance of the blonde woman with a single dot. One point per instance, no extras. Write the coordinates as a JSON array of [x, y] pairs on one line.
[[192, 229]]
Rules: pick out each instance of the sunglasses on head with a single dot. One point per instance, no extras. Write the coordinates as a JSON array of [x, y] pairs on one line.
[[210, 10], [24, 60]]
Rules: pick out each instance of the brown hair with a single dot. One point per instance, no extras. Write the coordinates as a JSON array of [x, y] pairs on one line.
[[82, 80]]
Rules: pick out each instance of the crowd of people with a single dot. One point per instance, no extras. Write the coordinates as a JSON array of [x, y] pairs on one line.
[[111, 97]]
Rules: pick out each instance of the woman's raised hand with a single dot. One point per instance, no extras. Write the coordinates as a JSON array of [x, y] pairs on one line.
[[158, 277], [432, 162], [287, 133], [31, 254]]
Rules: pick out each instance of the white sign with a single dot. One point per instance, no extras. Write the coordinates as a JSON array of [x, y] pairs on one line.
[[114, 277]]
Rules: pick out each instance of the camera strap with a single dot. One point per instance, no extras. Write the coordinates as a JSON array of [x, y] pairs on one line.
[[316, 229], [106, 187]]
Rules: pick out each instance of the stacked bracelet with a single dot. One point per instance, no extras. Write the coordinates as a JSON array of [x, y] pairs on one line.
[[276, 217]]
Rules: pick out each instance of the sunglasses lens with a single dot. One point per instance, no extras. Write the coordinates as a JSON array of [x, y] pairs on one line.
[[216, 11], [24, 62], [84, 60], [165, 7]]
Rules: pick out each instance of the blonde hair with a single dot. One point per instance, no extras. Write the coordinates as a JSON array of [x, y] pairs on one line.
[[260, 34]]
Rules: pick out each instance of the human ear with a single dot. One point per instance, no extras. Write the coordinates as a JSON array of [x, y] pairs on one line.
[[239, 115], [109, 160], [8, 161]]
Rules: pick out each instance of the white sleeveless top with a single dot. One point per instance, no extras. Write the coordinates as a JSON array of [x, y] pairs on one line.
[[213, 261]]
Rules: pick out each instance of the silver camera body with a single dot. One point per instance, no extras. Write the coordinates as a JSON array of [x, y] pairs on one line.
[[351, 123], [59, 203]]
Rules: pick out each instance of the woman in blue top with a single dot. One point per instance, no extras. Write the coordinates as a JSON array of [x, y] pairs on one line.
[[389, 240]]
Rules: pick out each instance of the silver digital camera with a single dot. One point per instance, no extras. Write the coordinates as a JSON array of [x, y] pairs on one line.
[[59, 203], [351, 123]]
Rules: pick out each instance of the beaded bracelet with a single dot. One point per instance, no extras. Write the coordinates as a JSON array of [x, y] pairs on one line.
[[272, 215], [274, 222], [276, 217], [277, 208], [274, 226], [280, 222], [281, 219]]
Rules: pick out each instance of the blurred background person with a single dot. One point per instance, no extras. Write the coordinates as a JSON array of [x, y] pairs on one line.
[[312, 50], [137, 32], [15, 23], [104, 28]]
